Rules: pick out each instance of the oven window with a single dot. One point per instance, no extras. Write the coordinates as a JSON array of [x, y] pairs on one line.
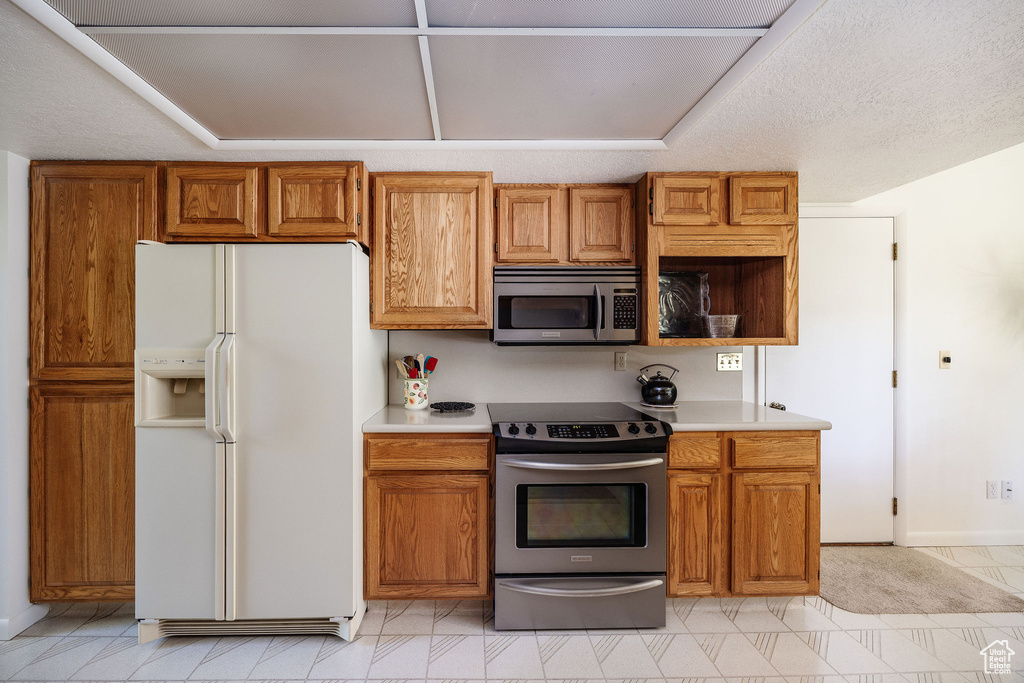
[[545, 312], [581, 515]]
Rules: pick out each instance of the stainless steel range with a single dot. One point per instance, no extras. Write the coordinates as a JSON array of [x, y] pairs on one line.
[[579, 516]]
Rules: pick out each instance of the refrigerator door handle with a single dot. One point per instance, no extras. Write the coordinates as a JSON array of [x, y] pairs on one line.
[[211, 379], [225, 383]]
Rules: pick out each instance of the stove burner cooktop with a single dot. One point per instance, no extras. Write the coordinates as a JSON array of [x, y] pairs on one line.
[[575, 428], [575, 413]]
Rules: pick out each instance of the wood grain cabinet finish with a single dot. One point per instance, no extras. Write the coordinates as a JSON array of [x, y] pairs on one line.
[[85, 221], [745, 241], [697, 558], [82, 493], [432, 251], [600, 224], [213, 202], [315, 201], [746, 524], [531, 224], [685, 199], [763, 198], [776, 533], [452, 452], [427, 536], [563, 224]]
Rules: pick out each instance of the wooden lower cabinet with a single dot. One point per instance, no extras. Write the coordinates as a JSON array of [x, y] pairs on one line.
[[775, 533], [427, 536], [747, 521], [696, 561], [82, 492]]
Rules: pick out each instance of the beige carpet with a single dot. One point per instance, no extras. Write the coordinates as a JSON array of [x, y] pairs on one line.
[[894, 580]]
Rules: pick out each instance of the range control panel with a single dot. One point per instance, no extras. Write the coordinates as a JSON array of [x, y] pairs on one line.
[[583, 431]]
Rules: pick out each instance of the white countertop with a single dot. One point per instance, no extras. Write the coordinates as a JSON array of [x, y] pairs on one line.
[[689, 416], [394, 418], [730, 416]]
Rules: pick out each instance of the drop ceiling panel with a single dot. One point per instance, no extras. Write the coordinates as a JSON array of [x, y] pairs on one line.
[[605, 14], [286, 86], [583, 87], [236, 12]]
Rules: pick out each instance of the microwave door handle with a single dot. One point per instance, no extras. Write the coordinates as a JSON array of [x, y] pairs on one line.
[[599, 323], [527, 587], [580, 466]]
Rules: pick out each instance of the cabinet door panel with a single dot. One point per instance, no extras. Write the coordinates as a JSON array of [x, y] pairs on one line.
[[310, 200], [85, 222], [776, 537], [427, 536], [433, 251], [212, 202], [762, 199], [82, 464], [600, 224], [531, 224], [687, 200], [696, 555]]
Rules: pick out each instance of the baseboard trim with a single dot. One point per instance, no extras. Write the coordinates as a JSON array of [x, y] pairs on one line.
[[18, 623], [929, 538]]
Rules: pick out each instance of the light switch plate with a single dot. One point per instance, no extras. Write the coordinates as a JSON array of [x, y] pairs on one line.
[[730, 362]]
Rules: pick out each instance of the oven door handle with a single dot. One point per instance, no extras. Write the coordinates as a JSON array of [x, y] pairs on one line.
[[599, 323], [526, 587], [581, 466]]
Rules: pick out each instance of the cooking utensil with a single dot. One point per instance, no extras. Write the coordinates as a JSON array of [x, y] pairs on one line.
[[402, 372], [658, 390], [723, 325], [431, 364], [420, 363]]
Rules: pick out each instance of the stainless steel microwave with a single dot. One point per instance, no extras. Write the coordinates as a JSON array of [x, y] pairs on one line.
[[566, 305]]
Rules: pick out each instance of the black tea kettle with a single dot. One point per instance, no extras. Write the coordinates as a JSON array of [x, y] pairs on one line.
[[657, 390]]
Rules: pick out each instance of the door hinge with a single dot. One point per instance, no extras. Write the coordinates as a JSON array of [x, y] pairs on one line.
[[894, 502], [650, 192], [893, 379], [495, 247], [650, 208], [359, 183], [359, 219], [495, 202], [632, 247], [895, 251]]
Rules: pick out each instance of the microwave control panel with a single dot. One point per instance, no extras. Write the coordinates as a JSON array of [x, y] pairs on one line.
[[624, 311]]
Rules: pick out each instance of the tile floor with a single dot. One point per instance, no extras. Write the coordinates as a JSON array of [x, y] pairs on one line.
[[739, 640]]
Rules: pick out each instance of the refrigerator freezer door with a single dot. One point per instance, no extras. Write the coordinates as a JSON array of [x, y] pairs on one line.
[[175, 304], [179, 573], [294, 532]]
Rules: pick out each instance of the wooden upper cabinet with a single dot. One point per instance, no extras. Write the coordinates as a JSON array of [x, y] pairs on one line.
[[600, 224], [432, 253], [220, 201], [82, 492], [314, 200], [680, 199], [85, 222], [763, 199], [531, 224]]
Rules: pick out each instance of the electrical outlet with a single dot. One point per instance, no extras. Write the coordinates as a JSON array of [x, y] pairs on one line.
[[945, 360], [1006, 486], [993, 489], [620, 360], [730, 362]]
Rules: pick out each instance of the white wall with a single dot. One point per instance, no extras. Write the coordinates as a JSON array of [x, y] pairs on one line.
[[964, 266], [471, 368], [16, 614]]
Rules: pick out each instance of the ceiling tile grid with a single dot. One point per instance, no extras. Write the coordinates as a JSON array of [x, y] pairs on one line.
[[474, 70]]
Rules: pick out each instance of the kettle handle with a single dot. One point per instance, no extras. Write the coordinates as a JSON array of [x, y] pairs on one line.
[[654, 365]]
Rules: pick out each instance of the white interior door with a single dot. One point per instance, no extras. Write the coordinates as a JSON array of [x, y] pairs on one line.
[[841, 370]]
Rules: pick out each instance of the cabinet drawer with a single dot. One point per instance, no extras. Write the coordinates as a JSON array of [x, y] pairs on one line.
[[796, 450], [412, 453], [694, 450]]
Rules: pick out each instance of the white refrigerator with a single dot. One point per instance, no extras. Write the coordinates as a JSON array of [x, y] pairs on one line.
[[255, 368]]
